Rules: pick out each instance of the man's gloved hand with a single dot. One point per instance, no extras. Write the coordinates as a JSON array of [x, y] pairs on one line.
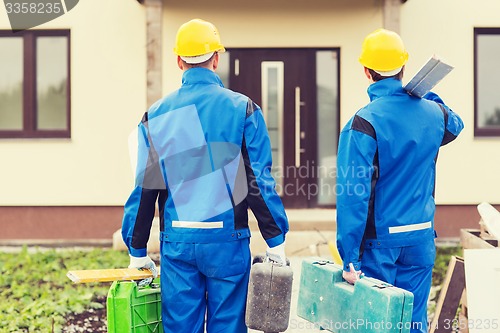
[[353, 275], [143, 262], [277, 254]]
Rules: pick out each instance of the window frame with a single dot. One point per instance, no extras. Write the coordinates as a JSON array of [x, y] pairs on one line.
[[480, 131], [29, 99]]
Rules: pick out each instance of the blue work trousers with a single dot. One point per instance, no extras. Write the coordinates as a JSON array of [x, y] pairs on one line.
[[204, 281], [409, 268]]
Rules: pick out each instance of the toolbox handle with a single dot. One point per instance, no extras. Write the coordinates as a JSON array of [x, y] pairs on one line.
[[383, 285], [323, 262]]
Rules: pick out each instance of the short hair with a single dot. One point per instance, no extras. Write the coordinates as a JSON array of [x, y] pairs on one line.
[[378, 77]]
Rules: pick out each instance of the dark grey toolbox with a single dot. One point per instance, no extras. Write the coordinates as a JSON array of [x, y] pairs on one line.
[[269, 296]]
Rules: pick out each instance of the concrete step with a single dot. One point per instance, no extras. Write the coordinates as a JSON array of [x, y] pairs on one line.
[[310, 230]]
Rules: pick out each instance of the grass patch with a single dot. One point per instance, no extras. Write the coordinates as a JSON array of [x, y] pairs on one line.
[[36, 294], [443, 255]]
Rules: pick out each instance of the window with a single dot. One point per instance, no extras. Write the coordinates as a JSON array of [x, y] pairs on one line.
[[34, 84], [486, 73]]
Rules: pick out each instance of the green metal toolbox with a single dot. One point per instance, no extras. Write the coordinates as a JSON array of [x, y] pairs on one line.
[[134, 309], [370, 306]]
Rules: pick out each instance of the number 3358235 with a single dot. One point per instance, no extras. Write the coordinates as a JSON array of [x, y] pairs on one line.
[[472, 323], [33, 8]]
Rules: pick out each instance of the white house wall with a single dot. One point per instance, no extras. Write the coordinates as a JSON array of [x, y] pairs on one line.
[[468, 170], [284, 23], [108, 91], [108, 86]]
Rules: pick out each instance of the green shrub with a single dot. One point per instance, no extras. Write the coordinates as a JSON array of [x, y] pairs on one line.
[[36, 294], [443, 255]]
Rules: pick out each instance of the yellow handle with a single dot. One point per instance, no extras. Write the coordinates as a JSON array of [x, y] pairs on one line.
[[335, 253], [108, 275]]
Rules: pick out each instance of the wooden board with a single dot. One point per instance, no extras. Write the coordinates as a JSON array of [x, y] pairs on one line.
[[108, 275], [470, 239], [490, 217], [449, 298], [482, 275]]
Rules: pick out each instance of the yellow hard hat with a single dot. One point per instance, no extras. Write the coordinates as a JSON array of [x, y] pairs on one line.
[[197, 40], [384, 52]]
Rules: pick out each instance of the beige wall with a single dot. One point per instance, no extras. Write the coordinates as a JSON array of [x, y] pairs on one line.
[[283, 23], [108, 73], [108, 98], [468, 170]]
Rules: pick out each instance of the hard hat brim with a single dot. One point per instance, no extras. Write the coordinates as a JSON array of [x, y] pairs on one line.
[[389, 73], [197, 59]]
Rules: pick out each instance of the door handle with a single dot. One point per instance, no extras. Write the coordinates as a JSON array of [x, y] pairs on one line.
[[298, 133], [236, 67]]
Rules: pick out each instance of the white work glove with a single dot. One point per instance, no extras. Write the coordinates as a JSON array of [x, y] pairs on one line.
[[277, 254], [143, 262], [353, 275]]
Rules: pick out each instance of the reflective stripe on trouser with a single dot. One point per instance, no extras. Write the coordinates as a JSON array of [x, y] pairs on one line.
[[204, 279], [409, 268]]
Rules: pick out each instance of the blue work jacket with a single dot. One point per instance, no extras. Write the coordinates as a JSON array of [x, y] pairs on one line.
[[386, 170], [204, 155]]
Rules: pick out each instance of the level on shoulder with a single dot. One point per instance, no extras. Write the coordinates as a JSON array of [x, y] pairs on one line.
[[433, 71], [108, 275]]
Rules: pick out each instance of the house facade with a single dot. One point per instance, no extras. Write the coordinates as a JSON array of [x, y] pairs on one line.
[[74, 88]]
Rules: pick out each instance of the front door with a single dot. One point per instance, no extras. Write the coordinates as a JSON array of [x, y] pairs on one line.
[[297, 90]]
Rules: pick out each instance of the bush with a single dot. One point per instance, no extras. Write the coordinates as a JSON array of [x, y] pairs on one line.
[[36, 294], [38, 297], [443, 255]]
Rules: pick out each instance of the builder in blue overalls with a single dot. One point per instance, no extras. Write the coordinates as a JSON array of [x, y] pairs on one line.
[[204, 154], [386, 172]]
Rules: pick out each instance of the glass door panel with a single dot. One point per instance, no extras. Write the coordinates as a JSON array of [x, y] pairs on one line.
[[327, 124], [272, 74]]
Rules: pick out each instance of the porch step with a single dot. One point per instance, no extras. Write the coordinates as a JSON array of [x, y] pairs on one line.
[[310, 230]]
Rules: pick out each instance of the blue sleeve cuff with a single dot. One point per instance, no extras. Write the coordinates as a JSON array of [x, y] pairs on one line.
[[357, 266], [138, 252], [275, 241]]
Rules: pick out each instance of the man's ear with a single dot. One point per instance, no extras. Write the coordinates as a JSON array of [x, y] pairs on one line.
[[180, 63], [215, 62], [368, 75]]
